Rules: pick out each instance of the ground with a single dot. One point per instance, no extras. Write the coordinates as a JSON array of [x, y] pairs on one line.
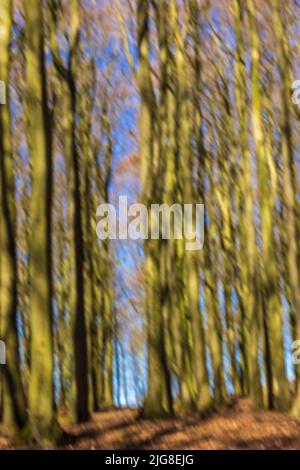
[[235, 427]]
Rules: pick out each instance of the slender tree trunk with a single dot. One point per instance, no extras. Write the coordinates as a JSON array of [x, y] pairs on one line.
[[67, 75]]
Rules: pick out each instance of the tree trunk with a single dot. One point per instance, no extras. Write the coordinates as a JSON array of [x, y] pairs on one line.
[[13, 398]]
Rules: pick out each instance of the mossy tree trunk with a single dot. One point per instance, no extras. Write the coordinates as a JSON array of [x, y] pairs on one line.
[[13, 398], [42, 418]]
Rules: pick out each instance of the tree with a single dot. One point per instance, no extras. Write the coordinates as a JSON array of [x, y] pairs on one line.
[[42, 416], [13, 397], [158, 401], [77, 287]]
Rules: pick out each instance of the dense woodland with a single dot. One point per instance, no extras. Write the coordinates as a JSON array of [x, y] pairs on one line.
[[168, 101]]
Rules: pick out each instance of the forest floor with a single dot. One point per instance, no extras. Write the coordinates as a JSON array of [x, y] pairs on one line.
[[235, 427]]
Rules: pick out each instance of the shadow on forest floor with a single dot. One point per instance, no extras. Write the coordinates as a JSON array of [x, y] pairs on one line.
[[237, 427]]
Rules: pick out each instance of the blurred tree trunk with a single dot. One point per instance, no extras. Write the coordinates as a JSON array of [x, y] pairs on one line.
[[80, 411], [288, 174], [199, 378], [13, 397], [270, 285], [158, 401], [107, 350], [42, 419], [249, 270]]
